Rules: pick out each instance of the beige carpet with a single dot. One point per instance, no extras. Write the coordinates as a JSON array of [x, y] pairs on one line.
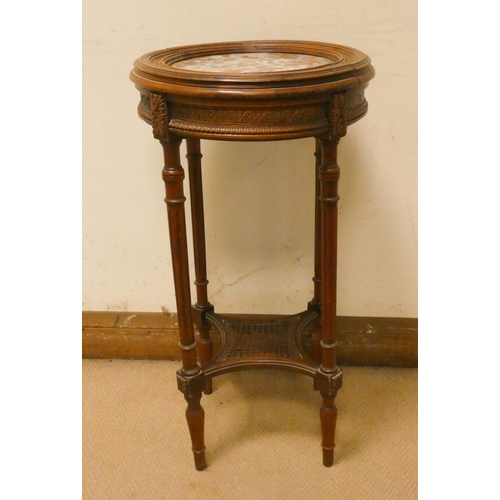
[[262, 435]]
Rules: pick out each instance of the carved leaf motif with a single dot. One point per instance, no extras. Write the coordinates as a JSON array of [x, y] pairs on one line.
[[179, 125], [228, 121], [159, 111], [230, 117], [338, 115]]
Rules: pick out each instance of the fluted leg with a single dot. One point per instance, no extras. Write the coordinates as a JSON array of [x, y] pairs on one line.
[[202, 306], [329, 376], [316, 302], [190, 375]]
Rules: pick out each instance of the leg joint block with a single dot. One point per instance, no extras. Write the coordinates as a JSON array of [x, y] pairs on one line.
[[200, 313], [190, 385], [328, 383]]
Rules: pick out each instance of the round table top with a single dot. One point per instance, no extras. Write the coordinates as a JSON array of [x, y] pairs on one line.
[[256, 90], [252, 68]]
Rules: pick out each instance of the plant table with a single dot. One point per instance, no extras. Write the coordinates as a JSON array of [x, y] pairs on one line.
[[252, 91]]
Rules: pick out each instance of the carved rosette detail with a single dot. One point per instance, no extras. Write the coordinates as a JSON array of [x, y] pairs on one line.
[[158, 104], [338, 115]]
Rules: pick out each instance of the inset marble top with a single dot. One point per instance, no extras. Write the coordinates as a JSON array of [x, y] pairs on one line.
[[252, 69], [252, 62]]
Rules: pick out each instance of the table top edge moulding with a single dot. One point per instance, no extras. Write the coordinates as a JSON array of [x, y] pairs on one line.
[[253, 91], [228, 101]]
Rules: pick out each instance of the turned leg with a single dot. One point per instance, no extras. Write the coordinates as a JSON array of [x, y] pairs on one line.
[[315, 303], [202, 306], [329, 375], [190, 375]]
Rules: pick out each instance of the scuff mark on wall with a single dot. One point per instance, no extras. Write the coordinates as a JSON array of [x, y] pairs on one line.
[[412, 225], [370, 216], [234, 282]]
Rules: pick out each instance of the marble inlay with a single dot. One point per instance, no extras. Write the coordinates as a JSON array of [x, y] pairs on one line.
[[252, 62]]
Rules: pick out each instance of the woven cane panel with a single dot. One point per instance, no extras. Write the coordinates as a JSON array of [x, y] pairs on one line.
[[276, 339]]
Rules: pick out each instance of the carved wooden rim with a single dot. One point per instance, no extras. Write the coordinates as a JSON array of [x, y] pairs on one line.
[[343, 60], [155, 70]]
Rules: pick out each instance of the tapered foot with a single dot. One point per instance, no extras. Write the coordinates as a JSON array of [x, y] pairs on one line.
[[328, 415], [199, 460], [195, 417], [327, 457]]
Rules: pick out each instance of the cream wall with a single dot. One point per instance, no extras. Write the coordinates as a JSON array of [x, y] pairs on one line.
[[257, 263]]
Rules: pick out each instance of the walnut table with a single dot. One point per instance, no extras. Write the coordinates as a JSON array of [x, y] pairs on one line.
[[253, 91]]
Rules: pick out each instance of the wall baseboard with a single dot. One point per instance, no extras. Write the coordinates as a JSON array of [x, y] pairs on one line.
[[362, 341]]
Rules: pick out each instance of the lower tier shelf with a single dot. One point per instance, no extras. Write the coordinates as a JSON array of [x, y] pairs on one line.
[[256, 344]]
